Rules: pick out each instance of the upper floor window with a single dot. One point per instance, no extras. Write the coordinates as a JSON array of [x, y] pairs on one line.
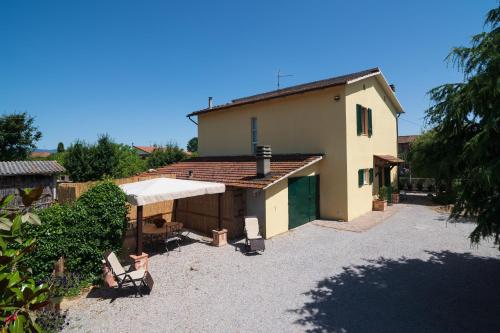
[[254, 134], [364, 120]]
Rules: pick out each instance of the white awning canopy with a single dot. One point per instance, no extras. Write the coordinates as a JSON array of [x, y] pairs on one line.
[[162, 189]]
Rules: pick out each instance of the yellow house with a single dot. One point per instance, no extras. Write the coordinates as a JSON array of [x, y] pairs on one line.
[[341, 133]]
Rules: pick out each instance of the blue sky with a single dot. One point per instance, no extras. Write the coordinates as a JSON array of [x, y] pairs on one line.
[[134, 69]]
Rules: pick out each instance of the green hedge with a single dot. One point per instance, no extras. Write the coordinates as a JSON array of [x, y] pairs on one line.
[[81, 232]]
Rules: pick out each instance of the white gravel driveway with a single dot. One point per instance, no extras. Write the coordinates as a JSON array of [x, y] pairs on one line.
[[412, 273]]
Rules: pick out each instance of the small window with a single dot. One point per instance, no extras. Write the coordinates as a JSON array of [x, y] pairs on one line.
[[364, 120], [366, 177], [254, 134]]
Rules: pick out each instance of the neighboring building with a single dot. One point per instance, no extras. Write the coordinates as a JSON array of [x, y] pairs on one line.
[[144, 151], [30, 174], [40, 154], [404, 142], [333, 142]]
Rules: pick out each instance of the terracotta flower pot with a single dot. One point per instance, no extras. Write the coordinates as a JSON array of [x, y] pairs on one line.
[[395, 198], [219, 237], [379, 205]]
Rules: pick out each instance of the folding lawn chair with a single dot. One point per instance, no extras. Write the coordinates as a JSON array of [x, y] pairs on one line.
[[253, 240], [138, 278]]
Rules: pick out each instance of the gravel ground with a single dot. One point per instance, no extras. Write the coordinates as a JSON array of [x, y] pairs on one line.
[[413, 273]]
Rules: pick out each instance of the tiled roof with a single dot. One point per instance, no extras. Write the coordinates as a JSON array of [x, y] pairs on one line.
[[301, 88], [146, 149], [237, 171], [17, 168], [407, 138], [40, 154]]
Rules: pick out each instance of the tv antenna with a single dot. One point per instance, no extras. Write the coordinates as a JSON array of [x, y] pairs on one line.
[[279, 76]]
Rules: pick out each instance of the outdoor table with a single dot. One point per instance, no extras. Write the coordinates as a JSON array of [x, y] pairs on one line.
[[168, 228]]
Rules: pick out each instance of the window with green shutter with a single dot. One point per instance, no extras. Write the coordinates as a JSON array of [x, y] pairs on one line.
[[361, 180], [371, 176], [359, 119], [363, 120], [370, 131]]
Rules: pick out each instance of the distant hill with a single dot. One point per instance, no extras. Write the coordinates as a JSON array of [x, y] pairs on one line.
[[52, 151]]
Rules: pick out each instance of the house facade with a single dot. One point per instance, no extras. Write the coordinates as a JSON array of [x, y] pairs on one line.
[[347, 123]]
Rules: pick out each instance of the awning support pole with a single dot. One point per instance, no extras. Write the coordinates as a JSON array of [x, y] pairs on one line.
[[220, 211], [138, 236]]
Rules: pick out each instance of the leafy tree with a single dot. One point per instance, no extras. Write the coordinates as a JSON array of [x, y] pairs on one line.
[[106, 158], [20, 295], [192, 145], [428, 159], [18, 136], [78, 162], [165, 155], [465, 118], [60, 147], [129, 162]]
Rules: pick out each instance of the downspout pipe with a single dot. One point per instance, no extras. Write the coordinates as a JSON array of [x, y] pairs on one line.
[[397, 149]]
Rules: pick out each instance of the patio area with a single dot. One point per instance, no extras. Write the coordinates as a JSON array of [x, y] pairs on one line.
[[414, 272]]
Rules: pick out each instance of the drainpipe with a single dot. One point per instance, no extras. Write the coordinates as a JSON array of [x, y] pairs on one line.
[[397, 150]]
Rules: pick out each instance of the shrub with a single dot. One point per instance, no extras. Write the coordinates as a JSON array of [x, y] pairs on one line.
[[80, 232], [165, 155], [382, 193], [20, 294], [409, 185]]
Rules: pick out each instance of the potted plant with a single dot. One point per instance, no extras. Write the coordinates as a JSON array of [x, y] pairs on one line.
[[395, 195], [380, 204]]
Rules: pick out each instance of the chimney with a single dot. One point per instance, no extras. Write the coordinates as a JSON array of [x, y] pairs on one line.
[[210, 102], [393, 87], [263, 154]]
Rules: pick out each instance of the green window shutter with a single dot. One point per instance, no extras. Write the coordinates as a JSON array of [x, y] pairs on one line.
[[371, 176], [361, 174], [370, 122], [359, 121]]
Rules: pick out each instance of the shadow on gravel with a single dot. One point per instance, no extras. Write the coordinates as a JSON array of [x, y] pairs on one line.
[[420, 199], [113, 293], [450, 292]]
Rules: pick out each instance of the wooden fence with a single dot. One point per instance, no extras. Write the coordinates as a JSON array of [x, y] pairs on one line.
[[69, 192], [201, 213]]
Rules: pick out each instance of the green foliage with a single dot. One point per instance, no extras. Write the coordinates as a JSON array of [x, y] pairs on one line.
[[20, 295], [465, 120], [129, 162], [18, 136], [80, 232], [59, 157], [382, 193], [60, 147], [192, 145], [78, 162], [431, 158], [168, 154], [106, 158]]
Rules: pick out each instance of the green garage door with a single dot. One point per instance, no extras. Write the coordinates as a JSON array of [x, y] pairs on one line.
[[303, 200]]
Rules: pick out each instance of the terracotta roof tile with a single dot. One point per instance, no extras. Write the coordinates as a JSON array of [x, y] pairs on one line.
[[237, 171], [407, 138], [301, 88], [147, 149]]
